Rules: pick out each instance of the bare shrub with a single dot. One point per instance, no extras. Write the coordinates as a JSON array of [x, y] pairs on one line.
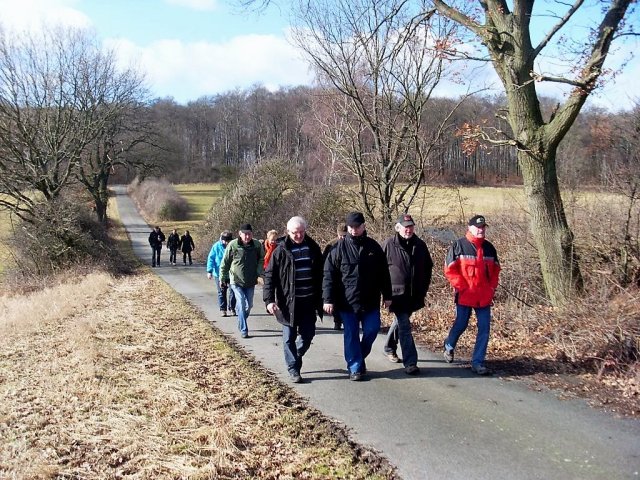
[[157, 199], [267, 195], [63, 239]]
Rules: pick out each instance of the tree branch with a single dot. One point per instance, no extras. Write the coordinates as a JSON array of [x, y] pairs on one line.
[[543, 43]]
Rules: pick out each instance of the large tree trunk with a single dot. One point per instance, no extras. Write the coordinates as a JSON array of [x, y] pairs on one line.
[[550, 230], [506, 34]]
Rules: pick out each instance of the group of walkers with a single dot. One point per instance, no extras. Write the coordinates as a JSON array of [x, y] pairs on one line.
[[350, 279], [175, 242]]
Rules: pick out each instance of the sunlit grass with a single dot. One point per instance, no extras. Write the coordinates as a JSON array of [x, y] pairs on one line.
[[446, 205], [200, 197]]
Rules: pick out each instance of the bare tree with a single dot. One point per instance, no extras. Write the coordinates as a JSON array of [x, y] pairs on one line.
[[504, 29], [623, 176], [379, 62], [62, 100]]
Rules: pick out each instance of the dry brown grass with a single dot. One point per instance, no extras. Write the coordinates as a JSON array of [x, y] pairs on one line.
[[129, 381]]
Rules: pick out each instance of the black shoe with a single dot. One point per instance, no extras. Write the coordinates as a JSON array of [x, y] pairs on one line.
[[355, 377], [337, 326], [480, 370], [412, 370]]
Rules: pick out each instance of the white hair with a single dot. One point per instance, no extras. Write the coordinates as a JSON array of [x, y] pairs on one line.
[[295, 222]]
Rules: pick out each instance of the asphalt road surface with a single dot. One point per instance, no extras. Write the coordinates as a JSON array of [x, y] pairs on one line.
[[444, 424]]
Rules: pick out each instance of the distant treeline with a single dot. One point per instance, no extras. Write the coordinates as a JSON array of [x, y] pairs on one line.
[[212, 137]]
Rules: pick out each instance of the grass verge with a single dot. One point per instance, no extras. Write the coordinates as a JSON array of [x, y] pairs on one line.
[[127, 379]]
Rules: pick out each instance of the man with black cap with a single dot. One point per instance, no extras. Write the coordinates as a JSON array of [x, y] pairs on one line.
[[410, 268], [473, 270], [241, 266], [355, 276], [214, 260], [156, 237]]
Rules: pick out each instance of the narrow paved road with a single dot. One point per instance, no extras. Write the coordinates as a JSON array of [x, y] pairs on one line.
[[445, 424]]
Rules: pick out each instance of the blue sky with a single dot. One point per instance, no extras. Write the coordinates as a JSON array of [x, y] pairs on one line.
[[191, 48]]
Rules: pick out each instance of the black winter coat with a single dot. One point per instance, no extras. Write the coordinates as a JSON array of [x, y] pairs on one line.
[[410, 273], [279, 278], [156, 239], [355, 275], [173, 242], [187, 243]]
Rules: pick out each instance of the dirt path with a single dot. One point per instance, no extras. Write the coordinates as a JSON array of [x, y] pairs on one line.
[[445, 423]]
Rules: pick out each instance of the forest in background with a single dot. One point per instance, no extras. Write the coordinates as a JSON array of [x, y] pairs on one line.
[[213, 138]]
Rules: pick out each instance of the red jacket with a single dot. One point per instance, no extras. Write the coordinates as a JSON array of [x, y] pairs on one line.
[[269, 247], [472, 268]]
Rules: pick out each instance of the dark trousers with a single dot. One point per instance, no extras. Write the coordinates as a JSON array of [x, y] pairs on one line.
[[296, 340], [400, 333], [155, 256], [172, 255], [184, 257]]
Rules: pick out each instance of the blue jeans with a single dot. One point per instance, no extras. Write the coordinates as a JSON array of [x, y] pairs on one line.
[[356, 349], [400, 332], [244, 299], [483, 316], [222, 296]]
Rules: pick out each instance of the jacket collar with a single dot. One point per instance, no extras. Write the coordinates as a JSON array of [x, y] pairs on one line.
[[475, 241]]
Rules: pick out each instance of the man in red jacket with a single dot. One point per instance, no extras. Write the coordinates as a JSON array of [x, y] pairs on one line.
[[472, 269]]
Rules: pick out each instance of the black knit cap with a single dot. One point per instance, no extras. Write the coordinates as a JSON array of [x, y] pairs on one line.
[[246, 228], [478, 221], [355, 219]]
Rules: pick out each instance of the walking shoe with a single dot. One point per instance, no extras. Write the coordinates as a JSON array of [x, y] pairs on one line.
[[480, 370], [392, 356], [412, 370], [337, 326], [355, 376], [244, 335], [448, 355], [233, 313], [223, 313], [295, 377]]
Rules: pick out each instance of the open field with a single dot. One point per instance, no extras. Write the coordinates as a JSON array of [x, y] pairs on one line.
[[200, 197], [451, 205]]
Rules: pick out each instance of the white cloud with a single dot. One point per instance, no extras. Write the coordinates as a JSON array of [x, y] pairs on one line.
[[22, 15], [201, 5], [187, 71]]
